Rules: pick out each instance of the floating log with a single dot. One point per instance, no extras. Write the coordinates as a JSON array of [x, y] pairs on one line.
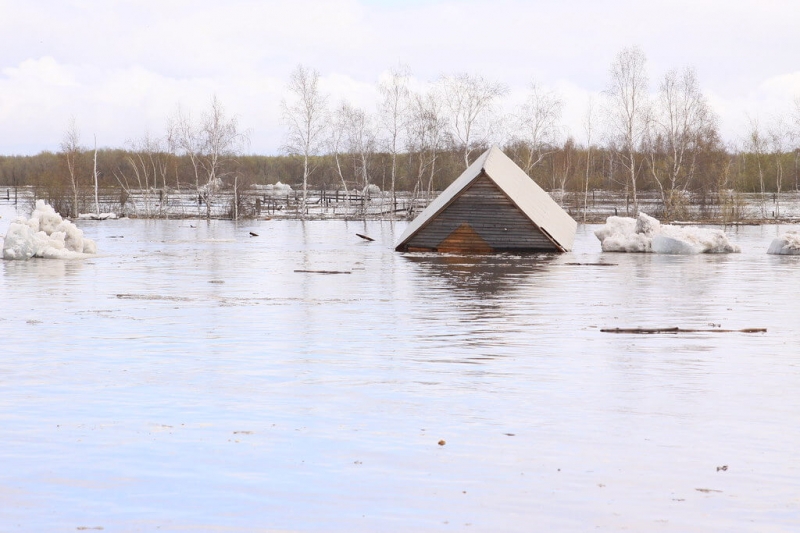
[[252, 234], [323, 271], [593, 264], [365, 237], [650, 331]]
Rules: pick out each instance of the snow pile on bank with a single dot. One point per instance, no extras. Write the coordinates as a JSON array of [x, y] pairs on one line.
[[46, 235], [786, 244], [645, 234], [97, 216], [278, 189], [371, 190]]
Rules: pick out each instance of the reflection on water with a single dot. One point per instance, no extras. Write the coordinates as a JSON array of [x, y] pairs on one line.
[[41, 268], [480, 276], [195, 377]]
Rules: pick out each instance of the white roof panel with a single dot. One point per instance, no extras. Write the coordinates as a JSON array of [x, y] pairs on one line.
[[531, 199]]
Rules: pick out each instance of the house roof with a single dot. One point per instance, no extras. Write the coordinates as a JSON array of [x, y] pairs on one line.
[[533, 201]]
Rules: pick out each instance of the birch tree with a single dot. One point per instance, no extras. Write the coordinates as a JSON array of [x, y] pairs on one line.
[[361, 142], [183, 138], [304, 116], [393, 116], [71, 151], [425, 132], [681, 120], [627, 111], [795, 136], [221, 139], [470, 102], [756, 144], [337, 140], [588, 128], [94, 176], [210, 145], [537, 125], [778, 138]]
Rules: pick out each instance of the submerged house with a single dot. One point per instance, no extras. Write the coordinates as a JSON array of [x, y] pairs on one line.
[[492, 207]]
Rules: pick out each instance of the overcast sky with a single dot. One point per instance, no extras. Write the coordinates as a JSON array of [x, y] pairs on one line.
[[121, 68]]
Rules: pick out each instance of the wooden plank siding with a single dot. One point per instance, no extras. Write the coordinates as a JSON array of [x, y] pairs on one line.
[[482, 219]]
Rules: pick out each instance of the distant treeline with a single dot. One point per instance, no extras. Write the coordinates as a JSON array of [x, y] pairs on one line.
[[569, 167], [418, 142]]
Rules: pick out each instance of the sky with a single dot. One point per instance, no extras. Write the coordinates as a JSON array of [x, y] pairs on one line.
[[122, 68]]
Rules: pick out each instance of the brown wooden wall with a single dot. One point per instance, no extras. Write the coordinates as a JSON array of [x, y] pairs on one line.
[[481, 220]]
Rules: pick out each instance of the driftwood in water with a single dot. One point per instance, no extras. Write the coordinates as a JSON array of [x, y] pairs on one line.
[[323, 271], [365, 237], [593, 264], [681, 330]]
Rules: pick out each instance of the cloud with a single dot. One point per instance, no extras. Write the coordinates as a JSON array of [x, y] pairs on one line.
[[123, 67]]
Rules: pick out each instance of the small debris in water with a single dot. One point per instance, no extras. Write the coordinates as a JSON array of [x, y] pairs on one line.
[[252, 234], [242, 432], [365, 237], [724, 468], [324, 271], [681, 330], [510, 434], [593, 264], [442, 442], [216, 281], [707, 490]]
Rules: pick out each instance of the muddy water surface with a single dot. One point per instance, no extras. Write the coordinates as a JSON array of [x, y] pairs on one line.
[[195, 377]]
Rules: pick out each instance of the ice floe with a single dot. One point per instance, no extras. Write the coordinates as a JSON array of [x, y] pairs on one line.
[[786, 244], [645, 234], [46, 235]]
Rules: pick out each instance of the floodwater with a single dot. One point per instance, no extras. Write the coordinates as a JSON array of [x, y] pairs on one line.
[[192, 377]]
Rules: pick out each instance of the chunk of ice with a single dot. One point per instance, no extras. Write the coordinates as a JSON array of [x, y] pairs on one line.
[[786, 244], [46, 235], [646, 234]]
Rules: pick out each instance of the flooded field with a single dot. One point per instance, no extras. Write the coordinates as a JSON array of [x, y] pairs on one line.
[[194, 377]]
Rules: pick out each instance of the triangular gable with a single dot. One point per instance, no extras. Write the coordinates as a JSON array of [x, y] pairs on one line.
[[533, 201], [464, 239]]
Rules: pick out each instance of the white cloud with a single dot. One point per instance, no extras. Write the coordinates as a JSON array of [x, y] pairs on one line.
[[121, 67]]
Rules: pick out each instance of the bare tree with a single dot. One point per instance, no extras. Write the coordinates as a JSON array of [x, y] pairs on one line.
[[779, 138], [756, 144], [183, 138], [94, 175], [627, 111], [210, 145], [681, 120], [71, 151], [146, 162], [221, 140], [393, 116], [537, 126], [337, 140], [425, 129], [795, 135], [360, 140], [304, 116], [588, 128], [470, 104]]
